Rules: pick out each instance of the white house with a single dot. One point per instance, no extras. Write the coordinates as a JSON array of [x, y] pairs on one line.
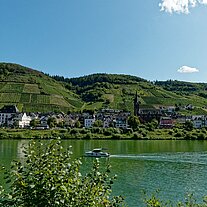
[[122, 122], [89, 121], [22, 120], [199, 121]]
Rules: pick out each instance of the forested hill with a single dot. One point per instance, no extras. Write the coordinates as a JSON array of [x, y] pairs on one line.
[[101, 78], [118, 91], [184, 88]]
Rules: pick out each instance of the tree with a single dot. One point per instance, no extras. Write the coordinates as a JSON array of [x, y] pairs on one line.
[[61, 124], [52, 122], [152, 125], [188, 125], [98, 123], [48, 177], [34, 122], [77, 124], [133, 122]]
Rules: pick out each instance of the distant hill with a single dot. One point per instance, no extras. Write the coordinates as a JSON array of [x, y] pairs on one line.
[[117, 91], [34, 91], [184, 88]]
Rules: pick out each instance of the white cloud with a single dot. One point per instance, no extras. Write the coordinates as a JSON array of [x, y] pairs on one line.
[[179, 6], [187, 69], [203, 1]]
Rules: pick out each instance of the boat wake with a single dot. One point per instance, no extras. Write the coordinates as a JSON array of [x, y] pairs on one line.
[[178, 157]]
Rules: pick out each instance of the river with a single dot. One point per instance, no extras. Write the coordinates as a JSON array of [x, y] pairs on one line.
[[174, 167]]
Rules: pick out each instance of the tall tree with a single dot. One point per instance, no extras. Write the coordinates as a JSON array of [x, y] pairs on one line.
[[134, 122]]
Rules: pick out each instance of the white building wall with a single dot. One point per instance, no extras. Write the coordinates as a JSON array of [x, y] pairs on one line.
[[24, 121], [197, 123], [88, 122]]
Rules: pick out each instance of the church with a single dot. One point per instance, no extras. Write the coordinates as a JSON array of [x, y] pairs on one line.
[[145, 114]]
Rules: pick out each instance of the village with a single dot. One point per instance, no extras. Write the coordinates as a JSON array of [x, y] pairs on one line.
[[167, 117]]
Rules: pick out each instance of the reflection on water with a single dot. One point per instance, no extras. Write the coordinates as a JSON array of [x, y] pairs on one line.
[[175, 167]]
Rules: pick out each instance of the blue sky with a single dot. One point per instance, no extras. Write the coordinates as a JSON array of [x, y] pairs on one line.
[[152, 39]]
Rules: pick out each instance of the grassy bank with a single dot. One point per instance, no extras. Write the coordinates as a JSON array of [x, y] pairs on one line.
[[101, 133]]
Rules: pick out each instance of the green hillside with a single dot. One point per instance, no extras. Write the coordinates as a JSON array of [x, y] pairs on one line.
[[34, 91], [184, 88], [117, 91]]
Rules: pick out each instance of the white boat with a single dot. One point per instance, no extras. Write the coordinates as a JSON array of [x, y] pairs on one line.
[[98, 152]]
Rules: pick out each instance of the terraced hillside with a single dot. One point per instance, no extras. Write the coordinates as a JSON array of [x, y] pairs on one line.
[[34, 91], [117, 91]]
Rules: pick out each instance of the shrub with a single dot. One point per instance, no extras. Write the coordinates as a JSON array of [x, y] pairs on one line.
[[178, 134], [83, 131], [3, 135], [190, 201], [18, 136], [88, 136], [48, 177], [97, 130], [137, 136], [170, 132], [108, 132], [201, 136], [74, 131], [116, 136]]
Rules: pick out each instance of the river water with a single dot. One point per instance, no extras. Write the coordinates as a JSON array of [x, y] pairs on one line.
[[174, 167]]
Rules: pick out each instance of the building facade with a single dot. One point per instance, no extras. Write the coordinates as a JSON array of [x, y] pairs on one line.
[[6, 113]]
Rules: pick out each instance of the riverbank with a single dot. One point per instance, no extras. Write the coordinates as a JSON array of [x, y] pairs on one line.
[[109, 133]]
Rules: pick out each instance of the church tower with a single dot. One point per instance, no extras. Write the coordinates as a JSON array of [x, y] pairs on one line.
[[136, 105]]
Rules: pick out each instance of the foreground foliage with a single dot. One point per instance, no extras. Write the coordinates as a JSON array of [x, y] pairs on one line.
[[48, 177], [154, 201], [148, 131]]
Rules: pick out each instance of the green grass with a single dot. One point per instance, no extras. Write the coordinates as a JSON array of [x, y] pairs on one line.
[[59, 100], [44, 108], [31, 88], [10, 97], [74, 102], [96, 105], [13, 87], [25, 98], [40, 99], [151, 100], [2, 84]]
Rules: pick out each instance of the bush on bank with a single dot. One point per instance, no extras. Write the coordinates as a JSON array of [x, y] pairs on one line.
[[48, 177], [189, 201], [142, 132]]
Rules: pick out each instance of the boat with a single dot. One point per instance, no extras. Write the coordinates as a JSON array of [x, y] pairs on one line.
[[97, 152]]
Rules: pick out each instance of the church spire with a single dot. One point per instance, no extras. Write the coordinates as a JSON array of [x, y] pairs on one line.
[[136, 105]]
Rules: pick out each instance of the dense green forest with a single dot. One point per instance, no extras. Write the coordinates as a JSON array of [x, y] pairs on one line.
[[182, 87], [117, 91]]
